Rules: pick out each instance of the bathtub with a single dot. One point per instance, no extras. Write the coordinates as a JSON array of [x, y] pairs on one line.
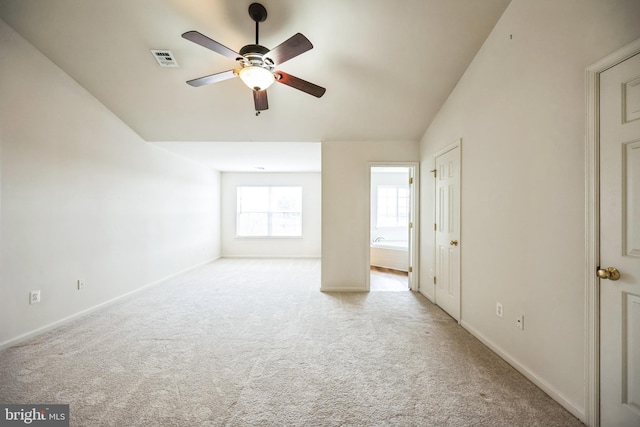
[[392, 254]]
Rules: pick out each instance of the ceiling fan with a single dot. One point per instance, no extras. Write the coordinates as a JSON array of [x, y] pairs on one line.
[[257, 63]]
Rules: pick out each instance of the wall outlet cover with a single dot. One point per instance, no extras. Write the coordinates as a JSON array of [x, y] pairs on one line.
[[34, 297], [520, 322]]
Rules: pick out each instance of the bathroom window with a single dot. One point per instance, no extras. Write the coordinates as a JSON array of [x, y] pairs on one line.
[[269, 212], [393, 206]]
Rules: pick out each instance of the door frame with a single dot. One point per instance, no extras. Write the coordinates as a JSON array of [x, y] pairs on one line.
[[414, 214], [592, 225], [457, 144]]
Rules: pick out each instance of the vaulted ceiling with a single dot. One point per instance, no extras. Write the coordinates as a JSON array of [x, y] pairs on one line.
[[387, 65]]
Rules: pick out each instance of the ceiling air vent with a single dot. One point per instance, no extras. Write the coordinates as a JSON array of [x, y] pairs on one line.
[[165, 58]]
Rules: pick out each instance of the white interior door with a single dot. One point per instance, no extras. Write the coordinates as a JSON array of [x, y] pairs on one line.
[[447, 292], [620, 244]]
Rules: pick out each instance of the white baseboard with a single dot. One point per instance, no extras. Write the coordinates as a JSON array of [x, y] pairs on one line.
[[271, 256], [340, 289], [427, 296], [28, 335], [539, 382]]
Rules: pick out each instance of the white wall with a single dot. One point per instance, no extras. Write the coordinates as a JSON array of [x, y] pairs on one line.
[[345, 207], [520, 111], [306, 247], [84, 197]]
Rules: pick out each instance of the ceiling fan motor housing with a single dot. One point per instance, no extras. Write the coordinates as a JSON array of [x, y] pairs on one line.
[[253, 56]]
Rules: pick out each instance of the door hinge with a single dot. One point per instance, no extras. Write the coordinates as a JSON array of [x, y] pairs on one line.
[[435, 173], [410, 180], [435, 227], [410, 225], [434, 280], [410, 269]]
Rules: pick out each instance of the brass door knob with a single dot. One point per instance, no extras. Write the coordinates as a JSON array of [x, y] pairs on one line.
[[610, 273], [453, 243]]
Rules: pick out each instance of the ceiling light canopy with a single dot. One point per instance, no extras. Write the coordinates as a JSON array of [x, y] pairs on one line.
[[257, 78]]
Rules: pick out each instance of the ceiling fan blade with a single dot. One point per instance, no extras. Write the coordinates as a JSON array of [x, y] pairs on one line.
[[205, 41], [299, 84], [260, 100], [289, 49], [213, 78]]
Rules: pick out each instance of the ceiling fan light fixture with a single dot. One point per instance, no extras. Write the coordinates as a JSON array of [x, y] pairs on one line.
[[257, 78]]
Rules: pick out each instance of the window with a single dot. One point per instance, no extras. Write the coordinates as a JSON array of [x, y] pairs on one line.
[[269, 212], [393, 206]]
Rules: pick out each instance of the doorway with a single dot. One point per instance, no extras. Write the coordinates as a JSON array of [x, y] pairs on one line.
[[392, 227]]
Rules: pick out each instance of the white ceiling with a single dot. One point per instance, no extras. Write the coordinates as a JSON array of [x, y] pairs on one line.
[[388, 65]]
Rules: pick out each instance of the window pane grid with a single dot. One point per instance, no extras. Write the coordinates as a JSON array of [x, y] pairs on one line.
[[393, 206], [269, 212]]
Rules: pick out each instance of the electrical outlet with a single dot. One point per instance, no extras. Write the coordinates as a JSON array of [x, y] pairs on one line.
[[498, 309], [34, 297], [520, 322], [80, 284]]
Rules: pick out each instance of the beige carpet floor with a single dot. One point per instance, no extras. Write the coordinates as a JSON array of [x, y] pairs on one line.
[[254, 343]]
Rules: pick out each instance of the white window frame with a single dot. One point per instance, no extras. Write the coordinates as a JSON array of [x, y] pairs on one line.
[[269, 212], [397, 189]]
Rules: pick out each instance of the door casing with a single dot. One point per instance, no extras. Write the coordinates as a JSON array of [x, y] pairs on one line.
[[592, 231], [414, 215]]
